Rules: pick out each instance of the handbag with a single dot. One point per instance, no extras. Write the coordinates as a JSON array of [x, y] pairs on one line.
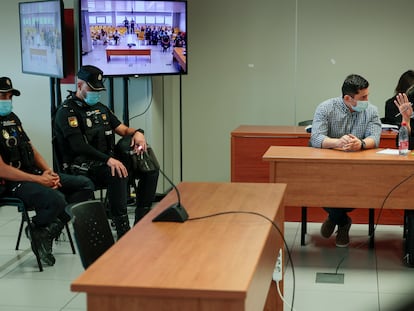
[[144, 162]]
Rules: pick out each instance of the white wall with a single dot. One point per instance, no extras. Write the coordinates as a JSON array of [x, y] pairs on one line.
[[250, 62], [301, 50]]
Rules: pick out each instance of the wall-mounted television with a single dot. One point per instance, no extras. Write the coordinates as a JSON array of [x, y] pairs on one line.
[[133, 38], [41, 38]]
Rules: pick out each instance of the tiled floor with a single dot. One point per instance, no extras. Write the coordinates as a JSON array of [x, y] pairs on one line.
[[373, 279]]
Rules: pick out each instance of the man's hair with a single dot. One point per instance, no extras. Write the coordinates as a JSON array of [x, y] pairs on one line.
[[353, 84]]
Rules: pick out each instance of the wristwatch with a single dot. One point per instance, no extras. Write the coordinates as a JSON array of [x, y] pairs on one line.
[[362, 144]]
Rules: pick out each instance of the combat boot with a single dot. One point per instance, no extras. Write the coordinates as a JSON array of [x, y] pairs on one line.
[[55, 228], [121, 225], [43, 241], [140, 212]]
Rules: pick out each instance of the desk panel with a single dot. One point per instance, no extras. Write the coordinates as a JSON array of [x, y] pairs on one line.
[[250, 142], [219, 263], [327, 177]]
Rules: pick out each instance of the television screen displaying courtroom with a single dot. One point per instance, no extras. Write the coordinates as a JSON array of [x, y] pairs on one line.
[[131, 38], [41, 38]]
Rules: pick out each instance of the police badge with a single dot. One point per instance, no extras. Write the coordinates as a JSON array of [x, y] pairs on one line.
[[73, 121]]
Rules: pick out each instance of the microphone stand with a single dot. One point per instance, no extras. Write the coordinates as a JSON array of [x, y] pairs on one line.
[[176, 212]]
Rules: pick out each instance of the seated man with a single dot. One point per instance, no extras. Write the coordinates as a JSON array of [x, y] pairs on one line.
[[28, 177], [165, 42], [348, 123], [85, 131]]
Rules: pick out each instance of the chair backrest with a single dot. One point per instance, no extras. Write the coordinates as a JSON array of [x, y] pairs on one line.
[[93, 234], [12, 202], [305, 123]]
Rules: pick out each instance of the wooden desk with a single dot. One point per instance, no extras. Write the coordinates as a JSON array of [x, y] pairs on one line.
[[126, 51], [218, 263], [180, 57], [250, 142], [326, 177], [38, 52]]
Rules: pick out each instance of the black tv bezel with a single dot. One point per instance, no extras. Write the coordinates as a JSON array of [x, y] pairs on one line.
[[121, 74], [62, 39]]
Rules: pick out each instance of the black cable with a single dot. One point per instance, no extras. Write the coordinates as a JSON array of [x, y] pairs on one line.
[[149, 104], [278, 230], [378, 217]]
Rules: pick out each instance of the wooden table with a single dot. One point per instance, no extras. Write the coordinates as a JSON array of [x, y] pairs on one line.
[[126, 51], [250, 142], [217, 263], [327, 177], [180, 57], [38, 52]]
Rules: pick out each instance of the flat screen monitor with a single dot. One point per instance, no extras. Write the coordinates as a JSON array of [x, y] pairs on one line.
[[133, 38], [41, 38]]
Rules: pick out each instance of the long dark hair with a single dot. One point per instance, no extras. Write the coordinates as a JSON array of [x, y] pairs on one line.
[[406, 80]]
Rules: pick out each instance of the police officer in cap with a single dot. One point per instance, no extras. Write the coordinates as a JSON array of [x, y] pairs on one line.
[[85, 131], [27, 176]]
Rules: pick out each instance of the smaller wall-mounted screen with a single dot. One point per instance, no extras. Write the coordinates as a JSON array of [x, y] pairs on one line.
[[41, 38], [131, 37]]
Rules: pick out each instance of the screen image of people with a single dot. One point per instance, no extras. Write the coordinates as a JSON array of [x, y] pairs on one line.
[[134, 37], [41, 38]]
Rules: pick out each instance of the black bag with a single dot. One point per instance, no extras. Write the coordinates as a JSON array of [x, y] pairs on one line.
[[143, 162], [409, 239]]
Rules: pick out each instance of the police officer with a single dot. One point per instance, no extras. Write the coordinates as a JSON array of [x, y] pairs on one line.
[[28, 177], [85, 131]]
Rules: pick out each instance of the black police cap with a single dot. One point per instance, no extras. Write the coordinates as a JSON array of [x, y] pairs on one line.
[[93, 76], [7, 86]]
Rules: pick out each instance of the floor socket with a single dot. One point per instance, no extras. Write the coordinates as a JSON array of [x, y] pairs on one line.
[[334, 278]]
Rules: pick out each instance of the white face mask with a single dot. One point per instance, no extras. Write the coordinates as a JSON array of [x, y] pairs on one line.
[[360, 106]]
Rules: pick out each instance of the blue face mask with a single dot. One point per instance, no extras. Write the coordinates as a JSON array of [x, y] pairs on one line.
[[360, 106], [92, 98], [5, 107]]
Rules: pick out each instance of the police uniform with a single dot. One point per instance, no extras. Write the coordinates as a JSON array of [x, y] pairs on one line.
[[86, 138], [49, 204], [76, 123]]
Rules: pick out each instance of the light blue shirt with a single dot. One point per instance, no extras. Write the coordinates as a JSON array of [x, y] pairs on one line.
[[333, 119]]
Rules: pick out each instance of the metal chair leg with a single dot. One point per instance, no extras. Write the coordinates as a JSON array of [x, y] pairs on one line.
[[303, 229]]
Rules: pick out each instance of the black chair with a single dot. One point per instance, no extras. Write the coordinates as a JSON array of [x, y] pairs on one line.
[[305, 123], [93, 234], [10, 201]]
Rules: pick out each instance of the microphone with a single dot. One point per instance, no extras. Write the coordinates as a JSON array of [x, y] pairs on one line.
[[175, 212]]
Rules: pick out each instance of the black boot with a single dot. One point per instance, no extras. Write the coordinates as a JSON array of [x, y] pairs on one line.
[[43, 240], [55, 228], [141, 212], [121, 225]]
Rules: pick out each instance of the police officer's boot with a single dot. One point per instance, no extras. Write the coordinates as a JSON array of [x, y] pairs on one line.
[[121, 225], [141, 212], [55, 228], [41, 241]]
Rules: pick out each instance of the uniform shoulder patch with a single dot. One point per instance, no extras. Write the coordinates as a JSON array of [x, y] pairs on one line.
[[73, 121]]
